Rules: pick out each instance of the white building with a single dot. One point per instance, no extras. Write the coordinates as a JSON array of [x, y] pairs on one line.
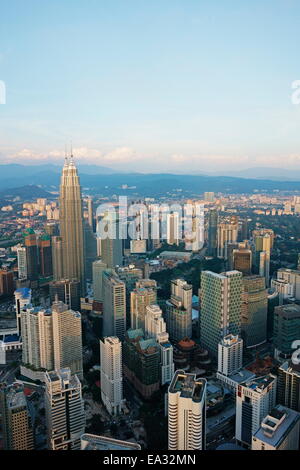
[[22, 300], [254, 400], [22, 262], [186, 412], [285, 289], [279, 430], [114, 305], [111, 374], [155, 327], [292, 276], [65, 419], [230, 355]]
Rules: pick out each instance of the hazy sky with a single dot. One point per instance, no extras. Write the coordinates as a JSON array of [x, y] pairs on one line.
[[151, 85]]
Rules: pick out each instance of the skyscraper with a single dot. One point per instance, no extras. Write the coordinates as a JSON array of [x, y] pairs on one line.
[[186, 412], [114, 305], [22, 262], [31, 255], [227, 233], [289, 385], [98, 268], [71, 224], [140, 297], [17, 428], [179, 310], [254, 400], [45, 256], [221, 297], [67, 292], [212, 232], [286, 330], [112, 245], [230, 355], [111, 374], [57, 260], [254, 312], [65, 420]]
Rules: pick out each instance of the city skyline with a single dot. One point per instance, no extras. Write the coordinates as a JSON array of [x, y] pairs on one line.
[[149, 87]]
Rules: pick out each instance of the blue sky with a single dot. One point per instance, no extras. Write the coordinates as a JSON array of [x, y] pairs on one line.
[[182, 85]]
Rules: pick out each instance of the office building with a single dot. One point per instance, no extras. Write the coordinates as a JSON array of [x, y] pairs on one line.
[[186, 412], [65, 420], [140, 298], [22, 263], [112, 244], [98, 268], [7, 285], [254, 313], [179, 310], [155, 327], [254, 400], [22, 300], [289, 385], [111, 374], [16, 420], [221, 298], [57, 258], [292, 276], [286, 330], [31, 255], [67, 292], [173, 228], [114, 305], [284, 288], [71, 224], [141, 362], [242, 260], [212, 232], [45, 256], [227, 233], [230, 355], [279, 430]]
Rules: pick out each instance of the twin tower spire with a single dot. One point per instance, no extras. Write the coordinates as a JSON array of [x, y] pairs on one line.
[[69, 158]]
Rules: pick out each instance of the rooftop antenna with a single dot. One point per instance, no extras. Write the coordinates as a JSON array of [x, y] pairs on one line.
[[66, 155], [71, 156]]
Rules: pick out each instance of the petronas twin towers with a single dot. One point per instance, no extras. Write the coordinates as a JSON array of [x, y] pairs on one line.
[[71, 224]]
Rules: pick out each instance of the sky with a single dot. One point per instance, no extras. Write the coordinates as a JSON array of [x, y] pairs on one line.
[[163, 85]]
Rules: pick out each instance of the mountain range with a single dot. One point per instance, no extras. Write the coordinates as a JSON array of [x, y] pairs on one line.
[[97, 179]]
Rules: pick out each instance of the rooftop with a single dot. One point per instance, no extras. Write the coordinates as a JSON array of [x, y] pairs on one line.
[[276, 425], [259, 384], [93, 442], [187, 385]]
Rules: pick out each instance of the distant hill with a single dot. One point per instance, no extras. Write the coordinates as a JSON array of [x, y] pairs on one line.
[[47, 178], [24, 192]]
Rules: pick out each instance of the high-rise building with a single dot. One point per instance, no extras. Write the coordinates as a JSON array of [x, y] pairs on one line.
[[65, 420], [140, 298], [289, 385], [45, 256], [186, 412], [242, 260], [155, 327], [112, 246], [91, 219], [227, 233], [52, 338], [284, 289], [254, 311], [6, 282], [114, 305], [67, 292], [111, 374], [31, 255], [67, 338], [98, 268], [279, 430], [16, 420], [263, 242], [254, 400], [173, 228], [291, 276], [212, 232], [22, 300], [90, 250], [230, 355], [57, 259], [22, 263], [71, 224], [209, 196], [221, 298], [141, 362], [179, 310], [286, 330]]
